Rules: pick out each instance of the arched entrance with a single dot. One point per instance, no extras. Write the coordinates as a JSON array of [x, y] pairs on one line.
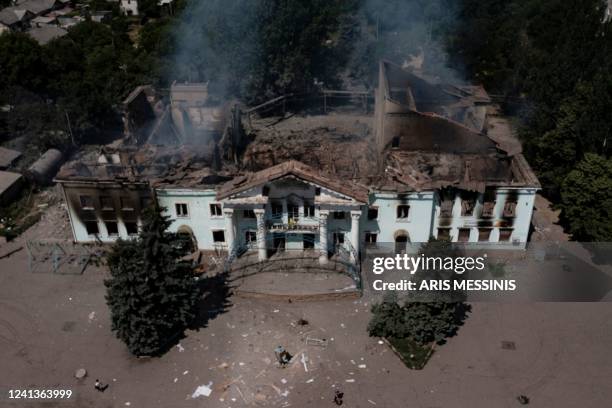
[[401, 241], [186, 233]]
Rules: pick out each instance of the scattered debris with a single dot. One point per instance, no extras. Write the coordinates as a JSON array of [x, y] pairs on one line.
[[185, 372], [283, 381], [371, 402], [180, 348], [302, 322], [523, 400], [303, 360], [92, 316], [361, 366], [312, 341], [203, 390], [99, 386], [338, 395], [310, 381], [350, 380]]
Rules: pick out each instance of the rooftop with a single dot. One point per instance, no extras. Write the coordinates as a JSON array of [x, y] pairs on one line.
[[8, 157], [45, 33]]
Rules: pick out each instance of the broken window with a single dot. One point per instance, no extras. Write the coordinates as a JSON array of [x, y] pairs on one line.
[[181, 210], [446, 207], [403, 211], [338, 238], [372, 213], [488, 205], [86, 202], [132, 228], [308, 241], [91, 227], [468, 203], [510, 207], [106, 203], [309, 210], [277, 209], [250, 236], [505, 234], [370, 238], [464, 235], [294, 211], [339, 215], [126, 204], [215, 210], [218, 236], [484, 234], [444, 233], [248, 214], [111, 228]]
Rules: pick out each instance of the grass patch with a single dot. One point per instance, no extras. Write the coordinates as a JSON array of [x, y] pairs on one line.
[[411, 353]]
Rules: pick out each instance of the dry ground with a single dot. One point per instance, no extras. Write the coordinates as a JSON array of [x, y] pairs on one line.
[[51, 325]]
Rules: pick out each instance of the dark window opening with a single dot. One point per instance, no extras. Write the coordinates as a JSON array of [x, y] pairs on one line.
[[484, 234], [505, 234], [112, 228], [181, 210], [464, 234], [510, 209], [372, 213], [250, 236], [218, 236], [308, 241], [215, 210], [468, 203], [444, 233], [371, 237], [126, 204], [339, 215], [294, 211], [403, 211], [338, 238], [277, 210], [106, 203], [487, 209], [132, 228], [395, 142], [91, 227], [145, 202], [248, 214], [86, 202], [309, 210], [317, 191], [265, 191]]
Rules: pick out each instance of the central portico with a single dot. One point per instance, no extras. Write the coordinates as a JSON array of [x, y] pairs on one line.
[[292, 207]]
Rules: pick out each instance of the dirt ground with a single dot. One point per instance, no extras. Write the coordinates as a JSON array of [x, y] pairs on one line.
[[52, 325]]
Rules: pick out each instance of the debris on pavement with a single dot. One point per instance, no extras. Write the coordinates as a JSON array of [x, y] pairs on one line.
[[203, 390]]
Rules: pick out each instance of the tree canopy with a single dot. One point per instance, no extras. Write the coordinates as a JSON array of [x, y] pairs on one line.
[[151, 293]]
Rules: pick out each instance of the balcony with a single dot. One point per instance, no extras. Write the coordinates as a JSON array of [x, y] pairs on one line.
[[292, 226]]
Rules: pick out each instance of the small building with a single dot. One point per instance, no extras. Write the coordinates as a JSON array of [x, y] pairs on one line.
[[39, 7], [45, 33], [8, 157], [15, 18], [129, 7], [10, 186], [101, 16]]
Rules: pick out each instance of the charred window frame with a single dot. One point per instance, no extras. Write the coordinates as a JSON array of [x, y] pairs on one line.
[[338, 238], [464, 235], [505, 234], [371, 238], [484, 234], [447, 201], [403, 211], [293, 211], [468, 203], [488, 205], [444, 233], [87, 202], [510, 207]]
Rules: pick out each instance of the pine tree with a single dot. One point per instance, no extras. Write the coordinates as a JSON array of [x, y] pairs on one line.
[[151, 293]]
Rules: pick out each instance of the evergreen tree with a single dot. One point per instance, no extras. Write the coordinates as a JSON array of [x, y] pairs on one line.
[[151, 293]]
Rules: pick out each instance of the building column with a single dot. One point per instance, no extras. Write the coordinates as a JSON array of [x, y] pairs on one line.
[[261, 234], [229, 227], [323, 214], [355, 215]]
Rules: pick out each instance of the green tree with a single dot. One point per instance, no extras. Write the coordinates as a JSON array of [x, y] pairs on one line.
[[151, 293], [586, 199]]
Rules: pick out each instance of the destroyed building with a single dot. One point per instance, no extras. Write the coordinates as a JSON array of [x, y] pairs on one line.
[[434, 160]]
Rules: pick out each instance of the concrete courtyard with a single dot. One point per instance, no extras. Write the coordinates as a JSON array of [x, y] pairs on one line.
[[557, 354]]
